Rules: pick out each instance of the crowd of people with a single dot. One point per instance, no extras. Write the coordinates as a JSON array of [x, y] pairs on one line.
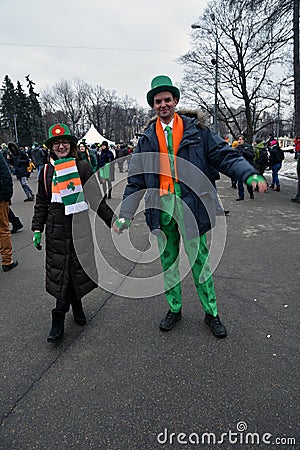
[[64, 167], [261, 155]]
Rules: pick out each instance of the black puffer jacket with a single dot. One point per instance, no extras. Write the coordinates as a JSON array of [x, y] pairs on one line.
[[69, 241], [276, 155], [6, 184]]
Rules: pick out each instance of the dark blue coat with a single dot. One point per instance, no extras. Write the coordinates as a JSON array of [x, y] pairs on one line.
[[20, 163], [104, 157], [200, 150]]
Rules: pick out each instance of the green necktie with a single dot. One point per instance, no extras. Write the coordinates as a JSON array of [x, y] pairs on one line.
[[170, 149]]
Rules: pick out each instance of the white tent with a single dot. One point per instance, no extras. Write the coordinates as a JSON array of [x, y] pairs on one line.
[[93, 136]]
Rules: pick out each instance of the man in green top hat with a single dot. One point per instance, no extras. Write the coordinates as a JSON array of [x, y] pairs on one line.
[[174, 161]]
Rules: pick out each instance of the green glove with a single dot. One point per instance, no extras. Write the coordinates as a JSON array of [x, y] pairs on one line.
[[122, 224], [256, 179], [37, 238]]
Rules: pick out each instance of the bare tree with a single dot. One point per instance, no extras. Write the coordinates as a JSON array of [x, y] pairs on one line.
[[70, 97], [245, 48], [80, 105], [281, 9]]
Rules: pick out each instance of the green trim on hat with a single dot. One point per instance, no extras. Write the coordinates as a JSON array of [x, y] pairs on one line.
[[161, 83], [59, 131]]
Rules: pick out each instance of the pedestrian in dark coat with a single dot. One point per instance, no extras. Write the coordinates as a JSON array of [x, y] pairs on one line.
[[65, 186], [39, 157], [275, 159], [247, 152], [20, 161]]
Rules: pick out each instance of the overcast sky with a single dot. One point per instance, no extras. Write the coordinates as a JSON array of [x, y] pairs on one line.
[[135, 40]]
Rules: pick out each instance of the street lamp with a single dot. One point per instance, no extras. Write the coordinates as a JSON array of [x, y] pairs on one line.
[[215, 62], [16, 129]]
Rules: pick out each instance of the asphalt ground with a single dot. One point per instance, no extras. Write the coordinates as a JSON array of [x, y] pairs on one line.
[[120, 383]]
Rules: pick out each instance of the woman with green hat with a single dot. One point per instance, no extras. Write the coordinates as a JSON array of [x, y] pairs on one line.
[[66, 190]]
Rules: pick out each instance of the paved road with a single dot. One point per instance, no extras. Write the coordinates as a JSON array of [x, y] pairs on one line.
[[119, 383]]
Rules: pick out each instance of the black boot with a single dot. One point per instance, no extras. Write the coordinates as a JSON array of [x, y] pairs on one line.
[[57, 329], [17, 225], [78, 313]]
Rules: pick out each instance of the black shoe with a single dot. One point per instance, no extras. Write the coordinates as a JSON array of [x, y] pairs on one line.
[[233, 186], [78, 313], [57, 329], [226, 212], [239, 199], [295, 200], [169, 320], [17, 225], [7, 268], [29, 199], [252, 197], [215, 325]]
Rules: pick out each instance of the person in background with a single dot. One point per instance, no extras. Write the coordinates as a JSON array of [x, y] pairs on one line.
[[121, 155], [297, 146], [246, 151], [15, 221], [234, 182], [106, 168], [66, 190], [6, 192], [276, 156], [261, 159], [85, 154], [4, 151], [19, 160], [38, 156], [296, 199], [175, 150], [93, 149]]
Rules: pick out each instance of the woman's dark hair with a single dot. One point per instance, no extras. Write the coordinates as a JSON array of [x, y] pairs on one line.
[[13, 148]]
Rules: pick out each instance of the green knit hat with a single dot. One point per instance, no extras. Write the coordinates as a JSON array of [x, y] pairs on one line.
[[161, 83], [59, 131]]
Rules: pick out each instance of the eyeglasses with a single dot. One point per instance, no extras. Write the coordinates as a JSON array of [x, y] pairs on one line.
[[64, 143]]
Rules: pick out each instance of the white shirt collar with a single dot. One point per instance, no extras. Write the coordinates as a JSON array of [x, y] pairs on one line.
[[164, 125]]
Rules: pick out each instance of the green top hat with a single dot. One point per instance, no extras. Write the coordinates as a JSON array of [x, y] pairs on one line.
[[59, 131], [161, 83]]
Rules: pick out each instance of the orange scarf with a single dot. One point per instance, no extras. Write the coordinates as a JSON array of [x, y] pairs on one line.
[[165, 177]]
